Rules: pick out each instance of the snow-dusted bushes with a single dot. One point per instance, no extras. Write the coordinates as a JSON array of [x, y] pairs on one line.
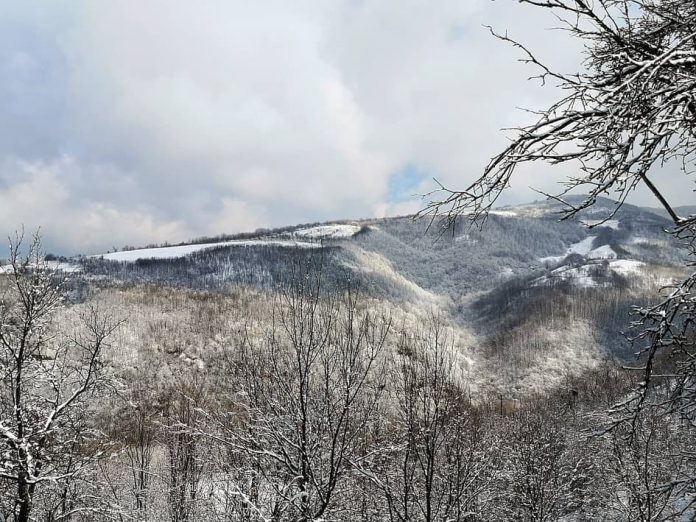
[[316, 402], [51, 379]]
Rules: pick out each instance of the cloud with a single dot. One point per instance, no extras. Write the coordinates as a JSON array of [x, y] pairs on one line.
[[138, 122], [42, 197]]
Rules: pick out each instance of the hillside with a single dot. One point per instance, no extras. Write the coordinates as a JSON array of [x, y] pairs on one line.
[[514, 242], [500, 343], [535, 298]]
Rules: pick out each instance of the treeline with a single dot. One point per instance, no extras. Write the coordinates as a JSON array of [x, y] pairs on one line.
[[223, 268], [454, 262]]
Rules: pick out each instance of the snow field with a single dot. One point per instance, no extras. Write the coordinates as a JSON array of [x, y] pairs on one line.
[[328, 231], [185, 250]]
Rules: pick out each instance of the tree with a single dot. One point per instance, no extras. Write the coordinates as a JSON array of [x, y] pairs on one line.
[[546, 471], [432, 464], [626, 114], [308, 392], [47, 380], [643, 467], [183, 447], [629, 111], [138, 430]]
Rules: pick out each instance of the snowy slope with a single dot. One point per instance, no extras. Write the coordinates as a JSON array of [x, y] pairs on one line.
[[611, 223], [626, 266], [584, 248], [302, 238], [185, 250], [328, 231], [586, 276], [503, 213], [603, 252], [49, 265]]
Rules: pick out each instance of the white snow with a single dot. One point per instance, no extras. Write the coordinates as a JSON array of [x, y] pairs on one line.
[[581, 276], [328, 231], [551, 259], [184, 250], [63, 267], [584, 248], [581, 247], [603, 252], [611, 223], [597, 211], [641, 240], [503, 213], [306, 238], [49, 265], [507, 273], [532, 210], [626, 266]]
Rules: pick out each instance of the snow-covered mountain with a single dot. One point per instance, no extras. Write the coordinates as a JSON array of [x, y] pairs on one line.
[[534, 296], [515, 241]]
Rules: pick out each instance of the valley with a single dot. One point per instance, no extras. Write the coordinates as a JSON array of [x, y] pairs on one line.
[[388, 360]]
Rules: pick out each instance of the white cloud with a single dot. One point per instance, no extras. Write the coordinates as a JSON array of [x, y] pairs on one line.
[[177, 119], [238, 215], [41, 198]]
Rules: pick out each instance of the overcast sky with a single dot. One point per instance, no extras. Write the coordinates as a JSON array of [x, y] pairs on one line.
[[142, 121]]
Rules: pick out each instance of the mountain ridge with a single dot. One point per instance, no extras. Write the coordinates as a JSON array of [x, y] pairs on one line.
[[523, 263], [530, 298]]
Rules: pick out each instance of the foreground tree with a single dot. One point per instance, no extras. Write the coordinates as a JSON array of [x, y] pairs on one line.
[[430, 463], [46, 381], [644, 467], [627, 113], [309, 389], [546, 470], [631, 108], [185, 455]]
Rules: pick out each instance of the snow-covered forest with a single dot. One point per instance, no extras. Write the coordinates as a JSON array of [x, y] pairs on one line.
[[471, 360], [342, 381]]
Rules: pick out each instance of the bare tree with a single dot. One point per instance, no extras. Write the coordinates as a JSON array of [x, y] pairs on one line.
[[630, 110], [627, 113], [46, 379], [432, 464], [185, 458], [138, 429], [546, 469], [308, 391], [644, 470]]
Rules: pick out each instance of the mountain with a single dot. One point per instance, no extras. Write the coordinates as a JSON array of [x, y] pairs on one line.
[[531, 297], [395, 254], [490, 352]]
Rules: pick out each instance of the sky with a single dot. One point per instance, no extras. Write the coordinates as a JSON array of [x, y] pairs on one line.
[[139, 122]]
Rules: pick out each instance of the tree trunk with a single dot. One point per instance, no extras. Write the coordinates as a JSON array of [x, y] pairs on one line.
[[24, 497]]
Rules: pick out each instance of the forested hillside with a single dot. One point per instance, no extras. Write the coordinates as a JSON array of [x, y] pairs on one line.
[[375, 370], [451, 262], [519, 258]]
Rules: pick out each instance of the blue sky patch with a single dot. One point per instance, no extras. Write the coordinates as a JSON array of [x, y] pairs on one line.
[[404, 183]]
